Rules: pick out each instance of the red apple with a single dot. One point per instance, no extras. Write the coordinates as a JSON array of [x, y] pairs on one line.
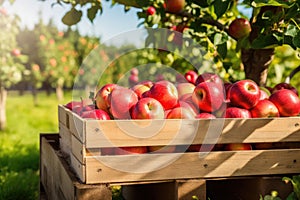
[[145, 94], [189, 105], [95, 114], [220, 113], [162, 149], [235, 112], [280, 86], [238, 147], [147, 108], [121, 101], [175, 6], [201, 147], [70, 105], [263, 93], [180, 78], [205, 116], [287, 102], [134, 71], [3, 11], [165, 92], [244, 94], [139, 89], [239, 28], [264, 108], [159, 77], [133, 80], [150, 10], [107, 151], [208, 96], [131, 150], [210, 77], [180, 113], [147, 83], [16, 52], [184, 88], [77, 109], [191, 76], [102, 96]]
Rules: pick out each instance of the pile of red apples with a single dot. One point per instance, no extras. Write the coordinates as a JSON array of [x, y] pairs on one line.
[[193, 96]]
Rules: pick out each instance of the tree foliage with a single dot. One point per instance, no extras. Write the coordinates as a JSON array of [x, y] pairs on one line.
[[274, 23]]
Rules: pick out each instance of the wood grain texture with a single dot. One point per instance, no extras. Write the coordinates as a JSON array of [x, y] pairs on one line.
[[98, 133], [152, 167], [58, 180]]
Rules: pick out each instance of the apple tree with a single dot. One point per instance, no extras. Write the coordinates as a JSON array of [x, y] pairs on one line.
[[246, 46], [11, 58]]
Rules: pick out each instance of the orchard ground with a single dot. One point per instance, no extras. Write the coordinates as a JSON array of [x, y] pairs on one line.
[[19, 143]]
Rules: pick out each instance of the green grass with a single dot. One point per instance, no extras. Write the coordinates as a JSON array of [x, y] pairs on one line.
[[19, 144]]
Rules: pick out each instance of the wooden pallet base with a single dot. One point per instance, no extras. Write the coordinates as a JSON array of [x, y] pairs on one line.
[[59, 182], [57, 178]]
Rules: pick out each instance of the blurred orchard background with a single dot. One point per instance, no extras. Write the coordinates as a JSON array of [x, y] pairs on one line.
[[43, 45]]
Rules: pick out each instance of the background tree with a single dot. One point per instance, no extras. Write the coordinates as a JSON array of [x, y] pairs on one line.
[[273, 23], [11, 59]]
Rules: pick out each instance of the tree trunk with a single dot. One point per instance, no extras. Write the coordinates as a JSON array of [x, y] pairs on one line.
[[59, 93], [256, 63], [3, 97], [34, 95]]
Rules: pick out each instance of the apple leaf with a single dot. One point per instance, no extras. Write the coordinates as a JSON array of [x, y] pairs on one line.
[[72, 17], [201, 3], [92, 12], [220, 7], [222, 50], [296, 40], [291, 30], [264, 41], [279, 3], [220, 38]]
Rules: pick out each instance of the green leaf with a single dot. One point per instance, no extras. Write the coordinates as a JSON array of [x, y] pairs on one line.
[[72, 17], [291, 30], [92, 12], [264, 41], [220, 7], [222, 50], [279, 3], [201, 3], [289, 41], [296, 40], [220, 38]]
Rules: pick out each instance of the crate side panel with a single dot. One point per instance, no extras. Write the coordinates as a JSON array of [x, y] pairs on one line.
[[63, 115], [261, 130], [79, 169], [77, 127], [78, 150], [180, 132], [151, 167], [55, 178], [141, 132], [64, 139]]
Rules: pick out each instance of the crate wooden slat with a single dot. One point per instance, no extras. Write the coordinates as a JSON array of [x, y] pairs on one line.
[[89, 136], [59, 182], [57, 179], [215, 164], [97, 133]]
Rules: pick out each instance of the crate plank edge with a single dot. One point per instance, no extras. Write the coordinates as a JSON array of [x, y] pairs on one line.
[[89, 136], [57, 179]]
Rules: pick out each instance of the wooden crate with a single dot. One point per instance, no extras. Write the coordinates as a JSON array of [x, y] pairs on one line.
[[88, 137], [56, 177], [59, 182]]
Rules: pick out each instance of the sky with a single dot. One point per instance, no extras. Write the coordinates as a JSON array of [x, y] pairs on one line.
[[112, 22]]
